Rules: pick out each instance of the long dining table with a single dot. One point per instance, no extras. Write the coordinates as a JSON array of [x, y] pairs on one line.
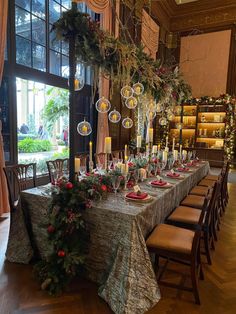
[[118, 259]]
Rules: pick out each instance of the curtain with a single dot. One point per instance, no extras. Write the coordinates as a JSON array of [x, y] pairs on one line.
[[149, 34], [4, 205], [104, 8]]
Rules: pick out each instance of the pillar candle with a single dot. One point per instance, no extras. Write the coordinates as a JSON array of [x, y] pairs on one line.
[[164, 155], [154, 149], [150, 134], [122, 169], [159, 147], [180, 149], [167, 149], [175, 155], [173, 145], [90, 151], [139, 141], [77, 164], [107, 148]]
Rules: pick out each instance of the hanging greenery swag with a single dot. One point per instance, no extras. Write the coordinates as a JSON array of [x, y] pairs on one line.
[[124, 63]]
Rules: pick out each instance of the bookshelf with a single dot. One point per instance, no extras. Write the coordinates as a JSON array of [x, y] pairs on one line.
[[201, 127]]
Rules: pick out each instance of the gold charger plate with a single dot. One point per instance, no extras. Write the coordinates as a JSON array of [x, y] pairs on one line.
[[175, 178], [166, 186], [147, 199]]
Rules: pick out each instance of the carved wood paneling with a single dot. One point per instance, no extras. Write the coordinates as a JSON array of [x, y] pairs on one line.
[[203, 20]]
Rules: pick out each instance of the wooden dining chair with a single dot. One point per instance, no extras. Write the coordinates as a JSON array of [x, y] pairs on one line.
[[179, 245], [188, 217], [58, 165], [19, 246], [23, 175]]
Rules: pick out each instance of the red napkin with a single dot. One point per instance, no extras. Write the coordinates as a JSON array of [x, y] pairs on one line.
[[160, 183], [136, 196], [173, 175], [183, 169]]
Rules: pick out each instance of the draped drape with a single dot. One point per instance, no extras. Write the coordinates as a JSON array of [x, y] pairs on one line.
[[4, 205], [149, 34], [104, 8]]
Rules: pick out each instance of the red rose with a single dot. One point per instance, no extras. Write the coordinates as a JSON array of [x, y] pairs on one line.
[[104, 187], [69, 185], [61, 253], [130, 164], [51, 229]]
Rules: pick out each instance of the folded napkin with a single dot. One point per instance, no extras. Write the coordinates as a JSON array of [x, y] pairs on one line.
[[183, 169], [136, 196], [159, 182], [173, 174]]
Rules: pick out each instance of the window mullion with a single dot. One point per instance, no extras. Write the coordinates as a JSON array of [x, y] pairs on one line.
[[47, 37]]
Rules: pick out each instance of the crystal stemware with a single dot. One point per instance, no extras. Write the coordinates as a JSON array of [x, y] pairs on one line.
[[115, 180], [163, 165], [126, 177], [136, 175], [82, 171], [99, 168]]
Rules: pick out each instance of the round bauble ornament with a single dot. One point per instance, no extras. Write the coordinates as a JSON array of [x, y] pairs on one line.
[[103, 105], [114, 116], [163, 121], [131, 102], [84, 128], [127, 91], [127, 123], [138, 89]]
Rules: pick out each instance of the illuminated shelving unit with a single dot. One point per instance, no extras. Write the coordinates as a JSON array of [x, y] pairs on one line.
[[202, 127]]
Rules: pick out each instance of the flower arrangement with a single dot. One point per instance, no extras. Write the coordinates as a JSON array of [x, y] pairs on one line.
[[67, 232]]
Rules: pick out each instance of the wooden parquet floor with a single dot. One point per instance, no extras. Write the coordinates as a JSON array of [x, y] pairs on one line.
[[20, 294]]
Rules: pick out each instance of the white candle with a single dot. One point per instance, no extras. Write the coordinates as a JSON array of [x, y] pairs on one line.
[[122, 169], [175, 154], [164, 155], [77, 164], [180, 149], [159, 147], [139, 141], [90, 151], [167, 149], [173, 144], [154, 149], [150, 135], [126, 152], [184, 153], [107, 148]]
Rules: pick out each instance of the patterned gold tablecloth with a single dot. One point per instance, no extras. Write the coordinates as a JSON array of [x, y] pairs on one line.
[[118, 259]]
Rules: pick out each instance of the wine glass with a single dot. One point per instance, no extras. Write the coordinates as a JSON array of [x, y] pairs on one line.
[[163, 164], [126, 177], [99, 168], [115, 180], [110, 165], [136, 175], [82, 171]]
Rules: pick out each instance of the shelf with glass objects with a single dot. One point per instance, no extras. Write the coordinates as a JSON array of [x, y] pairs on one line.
[[210, 127], [183, 126]]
